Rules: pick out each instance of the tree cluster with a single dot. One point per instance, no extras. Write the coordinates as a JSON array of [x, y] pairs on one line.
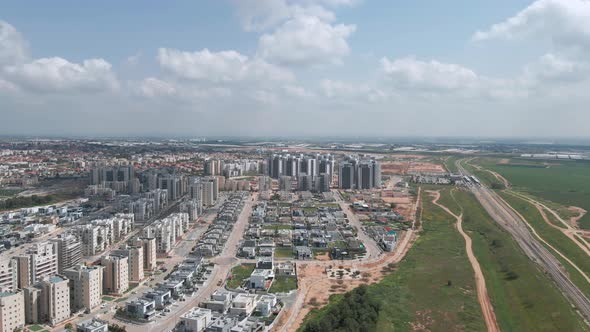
[[24, 201], [357, 311]]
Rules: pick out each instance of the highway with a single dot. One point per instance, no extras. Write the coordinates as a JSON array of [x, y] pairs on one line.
[[512, 222]]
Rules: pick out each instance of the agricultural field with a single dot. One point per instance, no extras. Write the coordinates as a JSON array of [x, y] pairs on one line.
[[564, 182], [524, 299]]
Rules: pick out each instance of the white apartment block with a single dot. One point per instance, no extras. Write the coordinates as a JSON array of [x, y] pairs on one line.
[[8, 274], [167, 230], [38, 263], [12, 311]]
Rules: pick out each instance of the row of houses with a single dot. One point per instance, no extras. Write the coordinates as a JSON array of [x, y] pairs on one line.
[[213, 240], [183, 280]]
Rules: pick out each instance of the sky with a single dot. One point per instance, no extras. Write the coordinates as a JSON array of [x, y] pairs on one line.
[[386, 68]]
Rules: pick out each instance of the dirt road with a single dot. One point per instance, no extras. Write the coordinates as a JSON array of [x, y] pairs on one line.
[[482, 292]]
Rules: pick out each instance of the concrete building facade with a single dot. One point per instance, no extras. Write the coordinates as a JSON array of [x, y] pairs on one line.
[[85, 284], [12, 311]]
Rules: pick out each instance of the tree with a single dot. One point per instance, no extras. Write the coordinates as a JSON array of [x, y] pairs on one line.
[[69, 327], [117, 328]]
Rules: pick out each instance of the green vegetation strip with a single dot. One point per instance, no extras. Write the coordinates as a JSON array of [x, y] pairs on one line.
[[524, 298], [565, 182], [239, 273], [555, 238], [433, 287], [283, 252], [283, 284]]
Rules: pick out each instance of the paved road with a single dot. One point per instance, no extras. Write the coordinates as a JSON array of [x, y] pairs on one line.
[[504, 215], [224, 262], [373, 250]]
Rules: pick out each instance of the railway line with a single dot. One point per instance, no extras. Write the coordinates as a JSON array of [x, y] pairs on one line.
[[504, 215]]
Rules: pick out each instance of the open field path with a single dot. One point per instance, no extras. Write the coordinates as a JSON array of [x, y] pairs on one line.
[[480, 282]]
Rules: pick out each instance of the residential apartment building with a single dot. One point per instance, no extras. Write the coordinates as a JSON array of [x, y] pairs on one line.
[[116, 274], [85, 284], [12, 311], [69, 251], [8, 274], [48, 301], [38, 263]]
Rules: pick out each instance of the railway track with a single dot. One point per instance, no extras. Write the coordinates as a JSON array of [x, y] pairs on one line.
[[504, 215]]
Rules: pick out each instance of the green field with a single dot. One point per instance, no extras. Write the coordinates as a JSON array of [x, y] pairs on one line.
[[277, 227], [433, 286], [524, 299], [283, 284], [556, 239], [6, 193], [563, 182], [449, 164], [283, 252], [239, 274]]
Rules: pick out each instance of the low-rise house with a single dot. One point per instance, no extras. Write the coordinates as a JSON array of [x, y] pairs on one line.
[[196, 319], [141, 308], [92, 325], [285, 269], [160, 297], [243, 304]]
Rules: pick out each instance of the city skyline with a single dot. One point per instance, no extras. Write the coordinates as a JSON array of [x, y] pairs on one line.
[[245, 68]]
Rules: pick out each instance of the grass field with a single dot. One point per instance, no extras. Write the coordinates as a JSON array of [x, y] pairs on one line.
[[6, 193], [557, 239], [239, 274], [283, 252], [563, 182], [433, 287], [449, 164], [524, 298], [283, 284]]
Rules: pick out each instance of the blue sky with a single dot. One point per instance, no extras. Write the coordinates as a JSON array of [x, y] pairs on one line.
[[288, 67]]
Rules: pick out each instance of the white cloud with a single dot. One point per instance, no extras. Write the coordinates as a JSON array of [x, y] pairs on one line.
[[59, 75], [260, 15], [133, 60], [411, 73], [13, 48], [153, 88], [225, 66], [6, 86], [551, 68], [306, 40], [342, 91], [297, 91], [564, 22]]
